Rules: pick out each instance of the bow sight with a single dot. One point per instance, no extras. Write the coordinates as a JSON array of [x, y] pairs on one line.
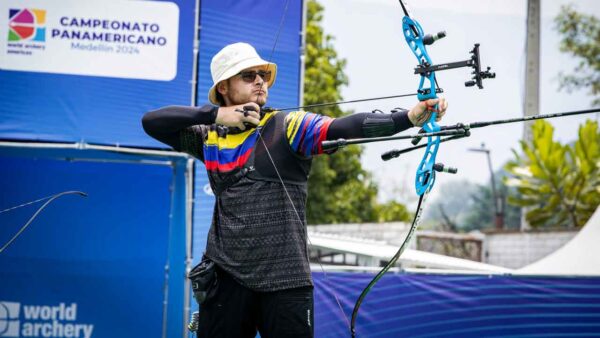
[[474, 62]]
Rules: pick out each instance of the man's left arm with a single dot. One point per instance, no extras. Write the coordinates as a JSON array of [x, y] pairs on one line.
[[306, 131]]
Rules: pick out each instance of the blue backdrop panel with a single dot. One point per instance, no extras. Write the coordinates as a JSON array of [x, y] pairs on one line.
[[420, 305], [204, 200], [257, 23], [105, 253], [99, 110]]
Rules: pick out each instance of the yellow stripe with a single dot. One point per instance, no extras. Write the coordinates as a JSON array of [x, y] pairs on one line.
[[290, 122], [232, 141], [294, 125], [228, 142]]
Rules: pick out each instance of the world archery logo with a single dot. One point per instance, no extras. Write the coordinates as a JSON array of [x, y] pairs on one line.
[[27, 24], [9, 319]]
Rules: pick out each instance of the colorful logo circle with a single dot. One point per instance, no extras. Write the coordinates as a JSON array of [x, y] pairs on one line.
[[27, 24]]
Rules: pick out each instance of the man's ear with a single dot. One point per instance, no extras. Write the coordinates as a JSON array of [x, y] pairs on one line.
[[222, 87]]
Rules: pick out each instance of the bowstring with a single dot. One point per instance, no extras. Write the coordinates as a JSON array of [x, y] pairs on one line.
[[259, 131], [50, 199], [27, 203]]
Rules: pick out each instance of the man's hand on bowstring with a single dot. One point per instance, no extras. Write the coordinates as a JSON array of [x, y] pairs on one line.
[[421, 113], [236, 116]]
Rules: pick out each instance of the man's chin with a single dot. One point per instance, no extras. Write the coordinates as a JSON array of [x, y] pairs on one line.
[[260, 101]]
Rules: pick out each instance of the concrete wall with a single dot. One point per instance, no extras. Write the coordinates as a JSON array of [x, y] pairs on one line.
[[517, 249]]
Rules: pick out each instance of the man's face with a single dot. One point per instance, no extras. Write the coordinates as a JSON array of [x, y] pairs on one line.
[[247, 86]]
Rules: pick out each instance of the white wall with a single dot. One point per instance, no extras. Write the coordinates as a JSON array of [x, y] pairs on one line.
[[515, 250]]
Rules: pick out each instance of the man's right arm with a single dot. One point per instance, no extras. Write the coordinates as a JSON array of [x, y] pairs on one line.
[[166, 124]]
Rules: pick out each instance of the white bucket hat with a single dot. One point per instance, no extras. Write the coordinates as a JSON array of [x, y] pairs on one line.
[[231, 60]]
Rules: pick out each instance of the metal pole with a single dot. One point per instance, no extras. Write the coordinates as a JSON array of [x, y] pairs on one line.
[[497, 200], [498, 219], [532, 78], [302, 52], [189, 208]]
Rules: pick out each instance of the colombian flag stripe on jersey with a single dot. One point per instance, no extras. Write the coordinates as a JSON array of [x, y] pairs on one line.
[[228, 152], [322, 136], [238, 162], [305, 132], [294, 120]]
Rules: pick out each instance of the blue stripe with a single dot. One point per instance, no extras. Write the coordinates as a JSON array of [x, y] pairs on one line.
[[298, 136], [224, 156], [309, 139], [473, 316], [409, 305], [305, 140], [504, 328], [571, 334]]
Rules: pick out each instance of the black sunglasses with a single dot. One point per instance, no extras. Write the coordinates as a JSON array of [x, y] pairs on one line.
[[250, 75]]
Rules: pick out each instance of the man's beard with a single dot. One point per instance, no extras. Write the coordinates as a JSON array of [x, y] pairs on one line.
[[260, 101]]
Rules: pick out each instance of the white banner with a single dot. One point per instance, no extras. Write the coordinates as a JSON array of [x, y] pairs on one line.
[[124, 39]]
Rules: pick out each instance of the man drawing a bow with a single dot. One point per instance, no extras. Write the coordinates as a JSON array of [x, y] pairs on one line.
[[258, 163]]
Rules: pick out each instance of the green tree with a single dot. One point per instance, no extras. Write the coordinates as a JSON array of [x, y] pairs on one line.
[[339, 189], [560, 183], [581, 39]]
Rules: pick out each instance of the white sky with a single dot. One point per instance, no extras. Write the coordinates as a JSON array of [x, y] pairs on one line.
[[368, 35]]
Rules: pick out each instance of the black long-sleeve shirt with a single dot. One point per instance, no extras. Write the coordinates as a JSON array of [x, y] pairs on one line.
[[257, 235], [165, 124]]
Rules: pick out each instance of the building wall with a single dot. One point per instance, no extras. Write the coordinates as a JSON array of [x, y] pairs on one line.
[[518, 249]]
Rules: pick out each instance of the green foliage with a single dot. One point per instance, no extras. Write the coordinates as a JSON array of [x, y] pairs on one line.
[[324, 71], [339, 189], [581, 39], [392, 211], [559, 183]]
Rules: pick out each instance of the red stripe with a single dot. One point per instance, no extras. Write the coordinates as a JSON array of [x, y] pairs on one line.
[[323, 134], [241, 160]]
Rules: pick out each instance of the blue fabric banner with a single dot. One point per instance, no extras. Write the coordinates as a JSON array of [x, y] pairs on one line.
[[431, 305], [107, 265]]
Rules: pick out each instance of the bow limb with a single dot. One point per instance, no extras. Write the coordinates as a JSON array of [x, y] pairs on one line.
[[389, 265]]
